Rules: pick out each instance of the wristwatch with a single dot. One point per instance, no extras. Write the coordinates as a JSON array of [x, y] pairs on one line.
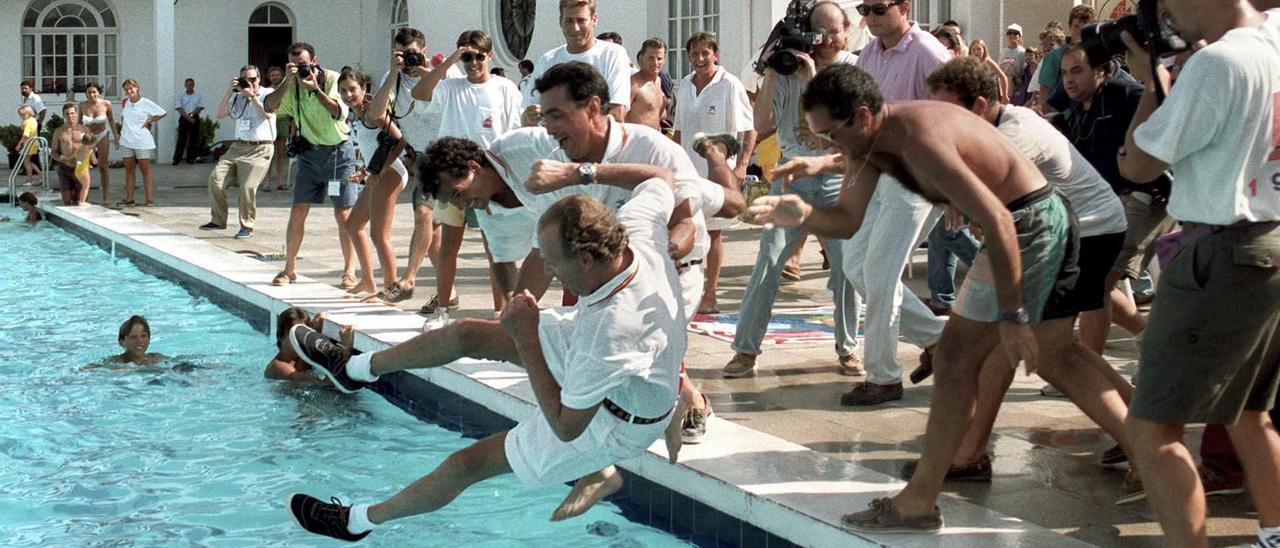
[[1019, 316], [587, 173]]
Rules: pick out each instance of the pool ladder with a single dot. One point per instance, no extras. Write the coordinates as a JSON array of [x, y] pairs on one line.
[[42, 148]]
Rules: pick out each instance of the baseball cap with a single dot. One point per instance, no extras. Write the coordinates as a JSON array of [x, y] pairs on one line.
[[1013, 28]]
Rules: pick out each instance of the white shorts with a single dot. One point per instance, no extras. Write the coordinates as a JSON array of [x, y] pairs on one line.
[[398, 167], [692, 282], [510, 233], [139, 153]]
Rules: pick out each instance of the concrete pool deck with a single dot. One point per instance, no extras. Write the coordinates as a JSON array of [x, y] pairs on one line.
[[782, 454]]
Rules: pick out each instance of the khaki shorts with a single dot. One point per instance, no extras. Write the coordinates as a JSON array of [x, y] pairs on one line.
[[1211, 350], [1147, 221]]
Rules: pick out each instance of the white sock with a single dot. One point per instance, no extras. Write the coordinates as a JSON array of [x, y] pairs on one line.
[[358, 520], [359, 368], [1269, 537]]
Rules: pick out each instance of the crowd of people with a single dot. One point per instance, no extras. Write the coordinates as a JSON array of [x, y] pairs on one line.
[[1054, 176]]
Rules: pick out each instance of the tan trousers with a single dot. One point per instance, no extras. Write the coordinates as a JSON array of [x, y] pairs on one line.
[[243, 165]]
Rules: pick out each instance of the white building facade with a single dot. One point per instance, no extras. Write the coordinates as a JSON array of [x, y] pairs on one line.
[[62, 45]]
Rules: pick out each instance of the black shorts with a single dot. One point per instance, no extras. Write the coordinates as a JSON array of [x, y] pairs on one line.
[[1097, 257]]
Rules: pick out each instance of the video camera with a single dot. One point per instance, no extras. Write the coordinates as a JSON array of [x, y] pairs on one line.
[[1102, 41], [792, 34]]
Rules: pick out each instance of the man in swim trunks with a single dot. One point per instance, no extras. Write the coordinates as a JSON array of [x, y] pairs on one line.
[[604, 372], [1014, 295], [73, 151]]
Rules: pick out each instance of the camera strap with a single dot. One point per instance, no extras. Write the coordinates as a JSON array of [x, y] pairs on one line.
[[396, 99], [236, 100]]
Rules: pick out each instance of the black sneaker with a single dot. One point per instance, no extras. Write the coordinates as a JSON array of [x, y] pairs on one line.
[[1114, 458], [324, 354], [211, 226], [322, 518]]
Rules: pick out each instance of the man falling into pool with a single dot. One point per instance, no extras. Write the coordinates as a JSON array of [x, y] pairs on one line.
[[604, 372]]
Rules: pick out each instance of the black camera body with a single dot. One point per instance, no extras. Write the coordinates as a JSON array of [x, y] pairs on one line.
[[304, 71], [791, 35], [242, 83], [1102, 41], [414, 59], [297, 145], [378, 159]]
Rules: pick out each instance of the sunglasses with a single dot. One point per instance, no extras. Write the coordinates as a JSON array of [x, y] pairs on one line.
[[828, 133], [878, 9], [469, 57]]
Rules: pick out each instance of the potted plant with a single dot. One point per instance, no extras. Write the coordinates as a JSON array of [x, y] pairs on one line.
[[10, 136], [51, 126], [208, 128]]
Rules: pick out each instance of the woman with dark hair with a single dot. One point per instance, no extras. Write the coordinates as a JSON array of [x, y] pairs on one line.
[[286, 366], [96, 113]]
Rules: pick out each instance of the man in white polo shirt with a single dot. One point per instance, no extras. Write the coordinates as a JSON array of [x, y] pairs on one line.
[[711, 101], [578, 24], [618, 349], [249, 158]]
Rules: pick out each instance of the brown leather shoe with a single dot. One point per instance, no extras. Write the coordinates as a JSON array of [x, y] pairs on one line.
[[865, 393], [851, 365]]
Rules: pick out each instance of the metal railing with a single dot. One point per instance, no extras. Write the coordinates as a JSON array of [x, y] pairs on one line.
[[42, 148]]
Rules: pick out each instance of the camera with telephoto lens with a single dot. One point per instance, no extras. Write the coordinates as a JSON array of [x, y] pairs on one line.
[[790, 36], [414, 59], [304, 71], [379, 157], [1102, 41]]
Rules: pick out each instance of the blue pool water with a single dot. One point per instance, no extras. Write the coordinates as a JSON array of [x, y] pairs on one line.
[[153, 456]]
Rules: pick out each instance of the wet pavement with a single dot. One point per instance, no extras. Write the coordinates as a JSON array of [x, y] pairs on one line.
[[1045, 451]]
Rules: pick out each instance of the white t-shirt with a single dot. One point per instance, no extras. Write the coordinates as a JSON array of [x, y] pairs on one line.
[[419, 122], [721, 107], [34, 101], [1217, 130], [479, 112], [1017, 58], [1097, 207], [131, 118], [627, 338], [607, 57], [251, 125]]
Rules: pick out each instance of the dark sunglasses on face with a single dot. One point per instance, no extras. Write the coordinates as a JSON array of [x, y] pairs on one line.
[[878, 9], [469, 57]]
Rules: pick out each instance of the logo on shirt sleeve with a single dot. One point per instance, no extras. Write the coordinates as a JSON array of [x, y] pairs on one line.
[[488, 123]]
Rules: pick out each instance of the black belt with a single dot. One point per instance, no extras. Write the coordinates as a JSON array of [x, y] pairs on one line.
[[255, 143], [694, 262], [628, 417], [327, 147]]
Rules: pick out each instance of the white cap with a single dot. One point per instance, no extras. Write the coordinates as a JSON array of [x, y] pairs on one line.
[[1015, 27]]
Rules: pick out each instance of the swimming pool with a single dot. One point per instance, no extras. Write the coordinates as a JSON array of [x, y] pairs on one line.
[[205, 455]]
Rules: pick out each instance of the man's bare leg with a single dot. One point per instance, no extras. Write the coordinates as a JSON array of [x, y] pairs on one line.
[[345, 242], [1072, 368], [1178, 497], [421, 245], [961, 351], [482, 460], [466, 338], [589, 490], [293, 235], [1258, 446], [993, 383]]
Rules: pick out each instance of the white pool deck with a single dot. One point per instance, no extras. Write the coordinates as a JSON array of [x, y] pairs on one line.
[[782, 487]]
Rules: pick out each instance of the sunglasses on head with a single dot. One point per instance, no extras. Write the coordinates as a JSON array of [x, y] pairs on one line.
[[469, 57], [878, 9]]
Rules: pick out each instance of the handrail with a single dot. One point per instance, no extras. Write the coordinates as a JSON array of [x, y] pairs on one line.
[[42, 148]]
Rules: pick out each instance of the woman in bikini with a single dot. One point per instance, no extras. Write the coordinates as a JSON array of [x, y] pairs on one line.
[[96, 113]]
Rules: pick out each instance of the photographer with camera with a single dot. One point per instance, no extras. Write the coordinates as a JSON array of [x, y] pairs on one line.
[[777, 108], [326, 158], [248, 160], [1210, 352]]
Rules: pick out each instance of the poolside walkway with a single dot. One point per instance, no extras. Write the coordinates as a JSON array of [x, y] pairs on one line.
[[1045, 450]]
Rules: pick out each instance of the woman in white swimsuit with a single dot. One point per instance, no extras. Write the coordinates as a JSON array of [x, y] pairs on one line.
[[96, 113]]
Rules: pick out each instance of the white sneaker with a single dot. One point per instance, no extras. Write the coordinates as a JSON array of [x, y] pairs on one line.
[[436, 320]]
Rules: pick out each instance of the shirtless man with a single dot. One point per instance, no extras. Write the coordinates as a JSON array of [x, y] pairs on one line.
[[1013, 295], [73, 150], [648, 104]]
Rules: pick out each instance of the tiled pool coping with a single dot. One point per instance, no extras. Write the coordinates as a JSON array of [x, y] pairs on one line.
[[740, 487]]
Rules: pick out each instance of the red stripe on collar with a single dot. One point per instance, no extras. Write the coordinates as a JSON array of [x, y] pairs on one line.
[[620, 287]]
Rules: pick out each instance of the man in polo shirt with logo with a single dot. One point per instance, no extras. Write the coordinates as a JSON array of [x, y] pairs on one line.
[[247, 161], [309, 95], [619, 348]]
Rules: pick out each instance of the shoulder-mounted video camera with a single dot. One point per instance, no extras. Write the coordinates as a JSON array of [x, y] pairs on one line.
[[791, 35]]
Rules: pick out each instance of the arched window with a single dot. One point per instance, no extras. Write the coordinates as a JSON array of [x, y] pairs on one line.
[[66, 44], [399, 15], [270, 33]]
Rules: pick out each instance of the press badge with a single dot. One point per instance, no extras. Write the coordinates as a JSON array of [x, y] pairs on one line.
[[335, 187], [244, 125]]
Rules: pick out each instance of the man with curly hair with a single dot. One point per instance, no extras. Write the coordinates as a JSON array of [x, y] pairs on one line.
[[618, 349]]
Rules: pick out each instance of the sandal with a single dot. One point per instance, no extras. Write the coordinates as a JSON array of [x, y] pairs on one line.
[[149, 204], [284, 278], [395, 293], [123, 203], [348, 281]]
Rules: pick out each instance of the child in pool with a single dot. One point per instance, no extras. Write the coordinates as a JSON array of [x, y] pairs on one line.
[[135, 338], [27, 201], [286, 366]]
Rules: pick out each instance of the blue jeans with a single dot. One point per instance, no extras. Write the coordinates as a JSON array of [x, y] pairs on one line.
[[945, 247], [775, 246]]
